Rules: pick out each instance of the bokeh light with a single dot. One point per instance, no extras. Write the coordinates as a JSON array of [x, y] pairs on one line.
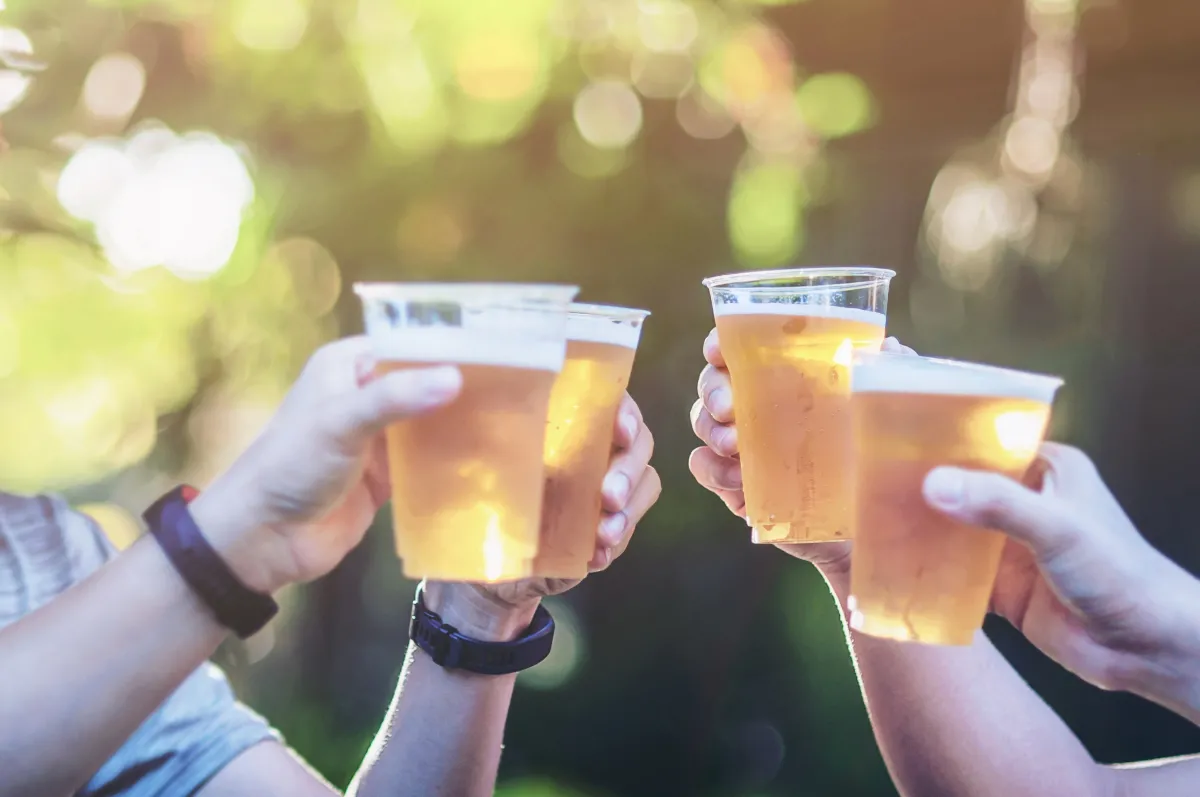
[[608, 114], [498, 65], [16, 47], [835, 104], [1032, 145], [568, 653], [702, 116], [981, 205], [269, 24], [114, 86], [662, 75], [667, 25], [160, 199], [764, 213]]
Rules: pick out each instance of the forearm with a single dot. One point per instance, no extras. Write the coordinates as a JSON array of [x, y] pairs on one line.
[[444, 732], [83, 672], [961, 721]]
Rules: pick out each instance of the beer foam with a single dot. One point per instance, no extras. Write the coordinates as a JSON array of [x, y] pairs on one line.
[[601, 329], [468, 347], [800, 310], [897, 373]]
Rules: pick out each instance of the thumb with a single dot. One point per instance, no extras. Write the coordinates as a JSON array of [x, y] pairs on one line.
[[997, 502], [397, 395]]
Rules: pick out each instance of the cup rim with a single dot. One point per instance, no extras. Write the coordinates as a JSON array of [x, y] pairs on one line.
[[745, 279], [518, 291], [1044, 384], [610, 311]]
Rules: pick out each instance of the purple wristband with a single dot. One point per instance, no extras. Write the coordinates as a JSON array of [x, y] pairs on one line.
[[236, 606]]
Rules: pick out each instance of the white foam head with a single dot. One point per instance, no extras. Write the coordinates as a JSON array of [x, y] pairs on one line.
[[800, 310], [471, 324], [885, 372], [596, 323], [448, 345]]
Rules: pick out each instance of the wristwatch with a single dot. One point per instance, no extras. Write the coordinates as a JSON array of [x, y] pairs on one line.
[[454, 651], [235, 605]]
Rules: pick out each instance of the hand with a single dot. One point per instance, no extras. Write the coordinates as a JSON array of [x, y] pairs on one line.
[[1079, 581], [304, 493], [716, 467], [631, 487]]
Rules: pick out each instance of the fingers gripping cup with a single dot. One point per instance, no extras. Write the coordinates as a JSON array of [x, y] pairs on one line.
[[915, 574], [467, 479], [601, 343], [788, 337]]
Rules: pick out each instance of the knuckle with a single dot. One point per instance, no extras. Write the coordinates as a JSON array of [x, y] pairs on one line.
[[628, 405], [1068, 458]]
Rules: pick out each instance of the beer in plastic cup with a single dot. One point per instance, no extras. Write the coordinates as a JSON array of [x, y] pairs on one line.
[[916, 574], [467, 478], [788, 337], [601, 343]]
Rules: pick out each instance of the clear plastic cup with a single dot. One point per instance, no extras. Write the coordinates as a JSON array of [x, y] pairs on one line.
[[601, 344], [467, 479], [916, 574], [788, 337]]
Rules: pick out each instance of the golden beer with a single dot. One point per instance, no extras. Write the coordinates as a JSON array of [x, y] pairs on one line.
[[601, 343], [790, 367], [467, 478], [916, 574]]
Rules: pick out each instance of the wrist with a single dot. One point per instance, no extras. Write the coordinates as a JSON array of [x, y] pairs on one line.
[[476, 614], [244, 544], [1170, 671]]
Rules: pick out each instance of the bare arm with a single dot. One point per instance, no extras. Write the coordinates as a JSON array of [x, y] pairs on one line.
[[961, 721], [93, 665], [444, 732], [82, 673], [1081, 584]]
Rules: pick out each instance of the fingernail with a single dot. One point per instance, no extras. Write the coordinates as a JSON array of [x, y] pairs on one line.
[[629, 425], [443, 382], [612, 528], [945, 487], [616, 487]]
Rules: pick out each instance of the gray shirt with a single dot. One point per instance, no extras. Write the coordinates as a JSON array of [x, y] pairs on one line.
[[45, 547]]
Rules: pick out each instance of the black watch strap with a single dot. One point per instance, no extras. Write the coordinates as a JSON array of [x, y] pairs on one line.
[[236, 606], [453, 651]]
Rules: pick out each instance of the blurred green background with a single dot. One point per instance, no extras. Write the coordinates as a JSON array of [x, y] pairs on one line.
[[189, 187]]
